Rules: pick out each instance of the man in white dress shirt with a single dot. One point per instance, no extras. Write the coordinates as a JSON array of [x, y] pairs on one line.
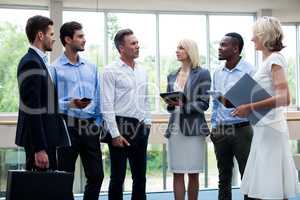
[[126, 113]]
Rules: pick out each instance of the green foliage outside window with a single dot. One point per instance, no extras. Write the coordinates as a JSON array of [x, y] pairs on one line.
[[13, 45]]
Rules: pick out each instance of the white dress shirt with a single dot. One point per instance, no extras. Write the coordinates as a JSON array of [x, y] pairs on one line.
[[44, 57], [124, 93]]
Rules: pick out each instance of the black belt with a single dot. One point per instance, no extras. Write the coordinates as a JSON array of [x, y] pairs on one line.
[[74, 121], [131, 120], [237, 125]]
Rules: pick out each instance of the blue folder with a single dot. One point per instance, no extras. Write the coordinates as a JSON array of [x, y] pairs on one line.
[[245, 91]]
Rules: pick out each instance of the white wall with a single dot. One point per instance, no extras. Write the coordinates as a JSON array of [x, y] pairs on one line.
[[292, 15]]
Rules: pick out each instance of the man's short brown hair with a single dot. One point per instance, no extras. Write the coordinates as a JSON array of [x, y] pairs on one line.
[[35, 24], [120, 35]]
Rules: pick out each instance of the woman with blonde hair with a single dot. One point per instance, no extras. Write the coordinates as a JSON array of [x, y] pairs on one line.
[[270, 171], [187, 126]]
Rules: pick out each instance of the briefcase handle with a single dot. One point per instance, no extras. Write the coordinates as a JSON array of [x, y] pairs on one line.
[[34, 168]]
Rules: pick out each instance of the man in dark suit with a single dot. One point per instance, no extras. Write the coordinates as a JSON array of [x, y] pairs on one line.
[[40, 130]]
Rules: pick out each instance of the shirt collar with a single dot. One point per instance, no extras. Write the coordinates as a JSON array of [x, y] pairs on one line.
[[239, 66], [123, 64], [43, 55], [65, 60]]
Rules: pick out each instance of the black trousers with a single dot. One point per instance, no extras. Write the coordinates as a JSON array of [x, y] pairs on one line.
[[230, 141], [84, 135], [137, 135]]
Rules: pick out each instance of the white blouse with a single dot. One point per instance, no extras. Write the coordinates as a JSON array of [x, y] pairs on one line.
[[264, 77]]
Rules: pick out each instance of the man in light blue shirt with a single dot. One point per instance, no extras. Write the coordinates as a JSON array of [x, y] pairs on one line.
[[76, 81], [223, 79], [78, 87], [231, 136]]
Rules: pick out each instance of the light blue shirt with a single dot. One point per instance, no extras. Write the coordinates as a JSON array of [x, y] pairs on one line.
[[223, 80], [77, 81]]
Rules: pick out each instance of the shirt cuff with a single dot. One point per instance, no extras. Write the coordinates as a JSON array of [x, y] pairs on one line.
[[114, 132], [64, 105]]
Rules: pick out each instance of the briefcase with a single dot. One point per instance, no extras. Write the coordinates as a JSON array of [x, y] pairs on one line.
[[33, 185]]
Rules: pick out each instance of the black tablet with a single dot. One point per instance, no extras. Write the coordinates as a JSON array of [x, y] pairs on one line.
[[173, 96]]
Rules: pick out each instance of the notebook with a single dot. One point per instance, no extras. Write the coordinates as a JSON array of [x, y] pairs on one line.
[[247, 90]]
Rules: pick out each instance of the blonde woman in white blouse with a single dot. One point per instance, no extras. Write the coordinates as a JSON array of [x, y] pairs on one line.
[[270, 171]]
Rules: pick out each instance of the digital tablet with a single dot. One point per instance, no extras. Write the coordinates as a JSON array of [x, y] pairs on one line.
[[173, 96]]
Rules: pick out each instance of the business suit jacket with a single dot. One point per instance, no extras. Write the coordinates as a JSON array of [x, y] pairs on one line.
[[192, 120], [39, 125]]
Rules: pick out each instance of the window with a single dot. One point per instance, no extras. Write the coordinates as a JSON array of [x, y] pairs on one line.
[[143, 26], [290, 54], [158, 43], [93, 25], [173, 28], [298, 69], [11, 159], [13, 45], [220, 25]]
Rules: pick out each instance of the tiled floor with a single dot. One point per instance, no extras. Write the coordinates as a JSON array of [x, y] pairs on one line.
[[204, 195]]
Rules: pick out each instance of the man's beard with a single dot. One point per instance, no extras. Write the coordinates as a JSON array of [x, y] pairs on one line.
[[221, 57], [78, 48], [47, 48]]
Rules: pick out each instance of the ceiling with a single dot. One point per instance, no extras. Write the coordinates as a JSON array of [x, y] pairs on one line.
[[190, 5], [284, 9]]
